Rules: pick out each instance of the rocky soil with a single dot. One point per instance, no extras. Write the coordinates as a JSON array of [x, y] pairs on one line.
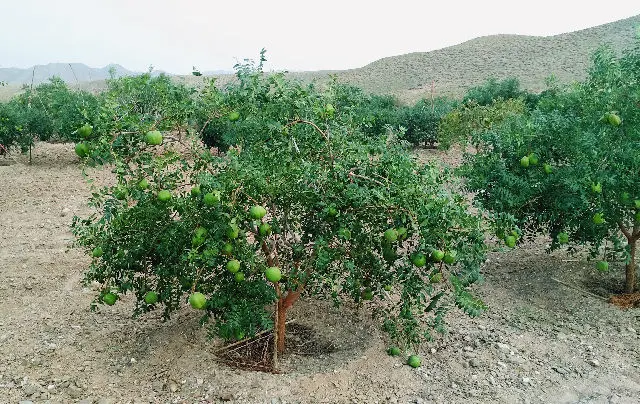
[[549, 336]]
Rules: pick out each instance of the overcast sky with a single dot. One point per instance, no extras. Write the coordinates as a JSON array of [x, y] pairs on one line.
[[298, 35]]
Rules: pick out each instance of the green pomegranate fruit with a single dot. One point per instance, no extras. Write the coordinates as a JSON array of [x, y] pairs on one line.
[[151, 297], [402, 233], [613, 119], [233, 266], [437, 255], [273, 274], [563, 238], [394, 351], [547, 168], [85, 130], [524, 162], [212, 198], [164, 196], [82, 150], [391, 235], [238, 276], [153, 138], [143, 184], [233, 231], [234, 116], [414, 361], [227, 249], [419, 259], [450, 257], [264, 229], [197, 300], [533, 159], [598, 218], [195, 191], [510, 241], [110, 299], [97, 252], [602, 266], [257, 212]]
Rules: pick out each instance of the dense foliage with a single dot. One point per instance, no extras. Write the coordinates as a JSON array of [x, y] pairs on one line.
[[305, 201], [571, 166]]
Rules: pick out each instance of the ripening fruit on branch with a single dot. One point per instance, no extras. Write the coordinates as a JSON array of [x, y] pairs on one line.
[[211, 198], [602, 266], [563, 238], [613, 119], [510, 241], [151, 297], [524, 161], [153, 138], [234, 116], [85, 130], [164, 196], [197, 300], [195, 191], [239, 276], [450, 257], [402, 233], [233, 266], [391, 235], [437, 255], [419, 259], [533, 159], [143, 184], [233, 231], [598, 218], [97, 252], [227, 249], [264, 229], [110, 299], [257, 212], [82, 150], [547, 168], [273, 274]]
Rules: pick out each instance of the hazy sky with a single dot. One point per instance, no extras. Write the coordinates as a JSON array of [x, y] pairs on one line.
[[298, 35]]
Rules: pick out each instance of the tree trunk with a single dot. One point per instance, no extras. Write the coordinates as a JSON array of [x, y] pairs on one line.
[[630, 284], [281, 320]]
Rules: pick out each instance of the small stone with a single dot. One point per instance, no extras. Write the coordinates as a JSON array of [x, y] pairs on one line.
[[503, 347], [475, 363], [65, 212], [74, 391], [133, 360], [526, 380], [226, 396], [593, 362], [173, 386], [25, 402], [30, 389], [561, 336], [86, 401], [107, 401], [433, 350], [200, 382]]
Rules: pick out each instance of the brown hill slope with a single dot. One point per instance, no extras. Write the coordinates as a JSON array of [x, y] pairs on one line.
[[454, 69]]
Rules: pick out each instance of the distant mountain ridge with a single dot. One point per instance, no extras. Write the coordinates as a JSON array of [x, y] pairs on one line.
[[69, 72]]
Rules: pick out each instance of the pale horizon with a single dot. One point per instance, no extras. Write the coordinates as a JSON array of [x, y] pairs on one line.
[[174, 36]]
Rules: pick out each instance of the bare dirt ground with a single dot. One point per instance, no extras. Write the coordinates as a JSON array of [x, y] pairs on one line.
[[541, 341]]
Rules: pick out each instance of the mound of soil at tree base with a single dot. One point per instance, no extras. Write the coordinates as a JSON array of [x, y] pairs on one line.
[[626, 300]]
